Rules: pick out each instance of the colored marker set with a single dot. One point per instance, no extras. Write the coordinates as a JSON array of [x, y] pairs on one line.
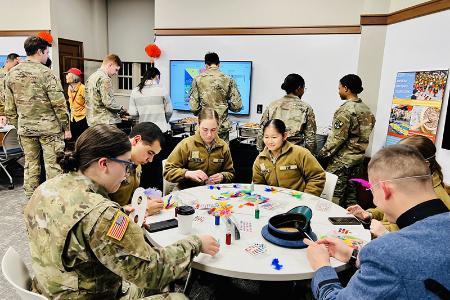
[[256, 249]]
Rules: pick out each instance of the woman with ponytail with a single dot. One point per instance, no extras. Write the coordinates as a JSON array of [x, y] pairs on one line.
[[295, 113], [149, 102], [82, 244]]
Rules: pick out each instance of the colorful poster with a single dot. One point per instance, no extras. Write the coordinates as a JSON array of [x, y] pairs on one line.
[[416, 106]]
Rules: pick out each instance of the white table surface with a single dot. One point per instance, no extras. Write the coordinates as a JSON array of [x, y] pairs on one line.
[[232, 260]]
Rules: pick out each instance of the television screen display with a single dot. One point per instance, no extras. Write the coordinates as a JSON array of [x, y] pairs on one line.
[[182, 72]]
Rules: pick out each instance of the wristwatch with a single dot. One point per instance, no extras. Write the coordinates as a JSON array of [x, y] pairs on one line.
[[354, 257]]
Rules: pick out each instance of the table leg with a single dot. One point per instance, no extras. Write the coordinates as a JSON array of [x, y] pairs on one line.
[[193, 274]]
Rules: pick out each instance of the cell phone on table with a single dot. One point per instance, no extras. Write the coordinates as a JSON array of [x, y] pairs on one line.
[[344, 221], [163, 225]]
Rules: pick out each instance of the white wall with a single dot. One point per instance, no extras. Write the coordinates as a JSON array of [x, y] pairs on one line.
[[256, 13], [402, 4], [84, 21], [321, 59], [416, 45], [12, 44], [130, 28], [25, 15]]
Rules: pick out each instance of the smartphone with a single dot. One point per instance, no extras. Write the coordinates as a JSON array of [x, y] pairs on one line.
[[344, 221], [163, 225]]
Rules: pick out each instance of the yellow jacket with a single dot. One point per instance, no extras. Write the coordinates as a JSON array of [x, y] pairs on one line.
[[77, 102], [295, 168], [192, 154], [440, 191]]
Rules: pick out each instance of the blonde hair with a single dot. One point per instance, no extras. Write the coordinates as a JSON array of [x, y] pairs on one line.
[[208, 113], [112, 58]]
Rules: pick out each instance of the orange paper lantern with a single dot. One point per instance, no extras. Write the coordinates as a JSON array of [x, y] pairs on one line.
[[46, 36], [153, 51]]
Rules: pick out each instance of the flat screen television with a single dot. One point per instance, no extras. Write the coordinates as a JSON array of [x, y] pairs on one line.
[[182, 72]]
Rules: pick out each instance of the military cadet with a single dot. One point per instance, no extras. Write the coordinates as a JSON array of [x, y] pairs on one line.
[[201, 158], [146, 139], [102, 107], [284, 164], [83, 245], [215, 89], [348, 140], [12, 60], [36, 106], [296, 114]]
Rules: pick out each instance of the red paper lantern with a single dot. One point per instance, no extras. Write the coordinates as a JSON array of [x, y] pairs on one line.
[[46, 36], [153, 51]]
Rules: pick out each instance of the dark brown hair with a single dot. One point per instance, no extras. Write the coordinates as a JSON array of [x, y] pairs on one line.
[[427, 149], [94, 143], [33, 43]]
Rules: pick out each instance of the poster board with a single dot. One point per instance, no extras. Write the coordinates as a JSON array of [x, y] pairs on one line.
[[416, 105]]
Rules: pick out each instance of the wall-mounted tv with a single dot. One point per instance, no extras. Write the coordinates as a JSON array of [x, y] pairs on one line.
[[182, 72]]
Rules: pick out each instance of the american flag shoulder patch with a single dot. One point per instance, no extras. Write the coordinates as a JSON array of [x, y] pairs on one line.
[[118, 226]]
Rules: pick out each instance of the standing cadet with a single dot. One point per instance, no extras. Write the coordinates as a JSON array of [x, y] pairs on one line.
[[201, 158], [348, 140], [102, 107], [296, 114], [12, 60], [287, 165], [83, 245], [215, 89], [146, 139], [36, 106]]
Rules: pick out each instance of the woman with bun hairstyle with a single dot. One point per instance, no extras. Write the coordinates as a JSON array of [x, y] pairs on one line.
[[83, 246], [284, 164], [343, 152], [296, 114]]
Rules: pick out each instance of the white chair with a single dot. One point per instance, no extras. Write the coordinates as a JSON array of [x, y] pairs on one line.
[[168, 186], [18, 276], [11, 152], [330, 185]]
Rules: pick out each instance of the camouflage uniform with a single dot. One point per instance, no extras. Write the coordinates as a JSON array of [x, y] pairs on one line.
[[127, 187], [345, 147], [299, 119], [101, 106], [219, 91], [36, 106], [82, 245], [2, 91]]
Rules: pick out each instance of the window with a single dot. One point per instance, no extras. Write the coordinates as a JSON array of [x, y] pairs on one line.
[[125, 76]]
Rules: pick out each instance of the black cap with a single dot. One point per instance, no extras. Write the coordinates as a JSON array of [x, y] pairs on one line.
[[185, 210]]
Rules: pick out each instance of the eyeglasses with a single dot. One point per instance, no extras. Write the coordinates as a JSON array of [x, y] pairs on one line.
[[395, 179], [129, 166]]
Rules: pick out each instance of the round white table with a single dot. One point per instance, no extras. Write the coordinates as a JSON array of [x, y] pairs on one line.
[[232, 260]]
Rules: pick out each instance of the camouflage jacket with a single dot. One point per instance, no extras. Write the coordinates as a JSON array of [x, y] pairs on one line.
[[299, 119], [347, 142], [35, 102], [217, 90], [296, 168], [2, 91], [191, 154], [82, 245], [102, 107]]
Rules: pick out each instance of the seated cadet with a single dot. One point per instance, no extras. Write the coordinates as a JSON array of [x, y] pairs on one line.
[[379, 224], [83, 245], [201, 158], [146, 139], [284, 164], [411, 263]]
